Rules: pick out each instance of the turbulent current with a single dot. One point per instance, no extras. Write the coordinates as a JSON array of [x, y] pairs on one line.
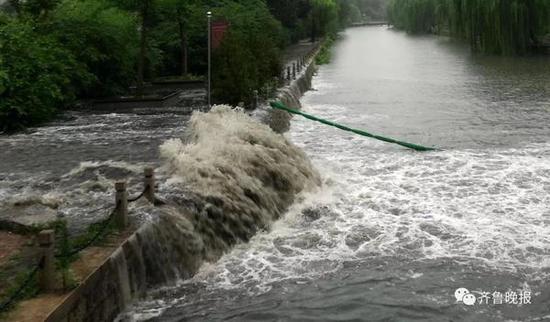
[[319, 224], [236, 173], [393, 233]]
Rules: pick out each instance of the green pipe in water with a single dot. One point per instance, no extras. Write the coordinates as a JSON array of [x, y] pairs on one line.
[[281, 106]]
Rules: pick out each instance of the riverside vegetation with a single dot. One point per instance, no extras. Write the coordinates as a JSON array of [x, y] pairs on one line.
[[502, 27], [56, 51]]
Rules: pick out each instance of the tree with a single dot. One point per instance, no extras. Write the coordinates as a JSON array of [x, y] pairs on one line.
[[502, 27], [144, 9], [103, 38], [249, 55], [177, 18], [323, 18], [36, 73]]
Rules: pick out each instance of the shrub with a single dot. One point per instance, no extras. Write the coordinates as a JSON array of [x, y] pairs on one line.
[[103, 38], [249, 55], [35, 76]]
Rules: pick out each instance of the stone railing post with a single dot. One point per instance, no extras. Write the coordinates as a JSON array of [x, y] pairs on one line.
[[121, 210], [149, 184], [47, 277], [293, 70]]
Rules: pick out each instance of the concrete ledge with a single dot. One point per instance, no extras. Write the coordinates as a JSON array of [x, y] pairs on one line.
[[103, 294], [126, 103]]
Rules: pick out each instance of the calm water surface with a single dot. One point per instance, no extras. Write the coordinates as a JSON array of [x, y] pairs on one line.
[[394, 233]]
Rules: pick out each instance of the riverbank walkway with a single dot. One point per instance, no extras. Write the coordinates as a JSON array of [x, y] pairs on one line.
[[294, 56]]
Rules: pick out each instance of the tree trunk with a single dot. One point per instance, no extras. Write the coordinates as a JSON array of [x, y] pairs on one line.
[[313, 30], [143, 46], [183, 39]]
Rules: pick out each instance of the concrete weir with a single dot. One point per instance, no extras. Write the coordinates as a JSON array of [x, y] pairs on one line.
[[187, 230]]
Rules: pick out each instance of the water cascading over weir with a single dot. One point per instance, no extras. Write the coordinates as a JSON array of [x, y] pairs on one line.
[[230, 176]]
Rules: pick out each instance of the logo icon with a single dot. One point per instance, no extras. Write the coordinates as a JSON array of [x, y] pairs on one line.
[[464, 296]]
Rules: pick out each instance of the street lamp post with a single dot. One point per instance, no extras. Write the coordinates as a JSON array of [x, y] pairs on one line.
[[209, 90]]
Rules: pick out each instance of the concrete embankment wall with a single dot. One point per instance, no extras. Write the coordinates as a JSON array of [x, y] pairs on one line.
[[289, 95], [159, 252], [148, 258]]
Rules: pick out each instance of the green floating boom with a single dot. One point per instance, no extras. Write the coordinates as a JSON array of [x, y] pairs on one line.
[[281, 106]]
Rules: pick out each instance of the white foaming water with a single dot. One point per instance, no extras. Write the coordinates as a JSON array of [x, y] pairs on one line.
[[390, 222], [82, 195], [254, 172], [486, 206]]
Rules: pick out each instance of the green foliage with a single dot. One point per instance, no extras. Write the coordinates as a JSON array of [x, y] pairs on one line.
[[95, 233], [103, 38], [415, 16], [293, 16], [36, 75], [249, 55], [508, 27], [14, 286], [323, 18], [325, 53], [315, 18], [54, 51], [37, 8]]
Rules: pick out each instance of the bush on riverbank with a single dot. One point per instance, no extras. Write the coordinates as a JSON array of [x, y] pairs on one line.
[[249, 56], [502, 27], [56, 51], [36, 76], [102, 38], [325, 53]]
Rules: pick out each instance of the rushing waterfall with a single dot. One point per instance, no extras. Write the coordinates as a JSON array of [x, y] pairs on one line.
[[229, 177], [242, 173]]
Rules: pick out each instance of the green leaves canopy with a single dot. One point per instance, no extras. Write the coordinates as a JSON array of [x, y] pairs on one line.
[[508, 27], [35, 76], [103, 38], [53, 51]]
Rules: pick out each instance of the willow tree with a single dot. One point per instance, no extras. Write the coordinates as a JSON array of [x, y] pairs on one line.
[[508, 27], [323, 18]]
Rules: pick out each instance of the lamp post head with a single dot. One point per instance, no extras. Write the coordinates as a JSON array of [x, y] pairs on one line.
[[209, 13]]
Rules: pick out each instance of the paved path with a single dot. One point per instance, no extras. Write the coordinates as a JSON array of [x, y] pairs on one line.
[[295, 52]]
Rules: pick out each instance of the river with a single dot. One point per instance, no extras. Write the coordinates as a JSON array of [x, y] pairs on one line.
[[393, 233], [68, 166]]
